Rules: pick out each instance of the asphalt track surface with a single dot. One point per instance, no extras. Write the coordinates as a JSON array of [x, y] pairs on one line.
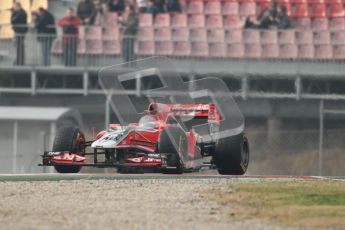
[[155, 176]]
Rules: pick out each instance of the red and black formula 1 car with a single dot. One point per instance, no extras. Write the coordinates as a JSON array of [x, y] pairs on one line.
[[164, 140]]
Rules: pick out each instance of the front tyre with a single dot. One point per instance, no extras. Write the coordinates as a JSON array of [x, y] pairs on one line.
[[67, 168], [69, 139], [232, 155]]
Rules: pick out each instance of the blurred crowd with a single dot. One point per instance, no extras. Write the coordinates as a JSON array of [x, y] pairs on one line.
[[45, 26], [274, 16], [91, 12], [90, 8]]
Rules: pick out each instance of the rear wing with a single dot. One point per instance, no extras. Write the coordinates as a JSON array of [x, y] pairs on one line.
[[195, 110]]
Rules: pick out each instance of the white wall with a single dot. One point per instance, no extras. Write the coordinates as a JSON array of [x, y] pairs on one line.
[[33, 139]]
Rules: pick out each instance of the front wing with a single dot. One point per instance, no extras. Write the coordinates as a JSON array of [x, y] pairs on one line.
[[156, 160]]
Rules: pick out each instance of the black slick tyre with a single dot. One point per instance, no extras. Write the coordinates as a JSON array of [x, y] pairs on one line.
[[69, 139], [232, 155]]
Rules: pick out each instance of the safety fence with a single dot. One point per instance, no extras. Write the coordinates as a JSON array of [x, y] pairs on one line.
[[296, 152], [98, 46]]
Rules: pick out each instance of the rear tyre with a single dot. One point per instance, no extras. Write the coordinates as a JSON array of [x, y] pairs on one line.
[[232, 155], [69, 139], [173, 140]]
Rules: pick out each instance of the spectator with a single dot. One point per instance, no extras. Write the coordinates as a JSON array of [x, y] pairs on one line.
[[266, 21], [250, 23], [116, 6], [129, 35], [103, 6], [284, 21], [86, 11], [142, 6], [173, 6], [19, 25], [45, 26], [69, 24], [152, 8], [268, 17], [160, 4], [272, 10]]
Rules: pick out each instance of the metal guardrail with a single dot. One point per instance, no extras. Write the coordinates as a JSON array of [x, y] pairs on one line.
[[36, 81]]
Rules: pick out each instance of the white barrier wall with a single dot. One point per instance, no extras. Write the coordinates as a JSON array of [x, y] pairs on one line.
[[26, 132], [21, 143]]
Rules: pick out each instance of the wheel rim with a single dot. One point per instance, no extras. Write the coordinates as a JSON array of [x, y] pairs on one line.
[[80, 143], [245, 152]]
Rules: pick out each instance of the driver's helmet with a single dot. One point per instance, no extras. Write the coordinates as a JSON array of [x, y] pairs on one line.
[[153, 109]]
